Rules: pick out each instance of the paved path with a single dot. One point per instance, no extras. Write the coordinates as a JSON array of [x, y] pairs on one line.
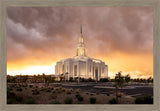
[[94, 88]]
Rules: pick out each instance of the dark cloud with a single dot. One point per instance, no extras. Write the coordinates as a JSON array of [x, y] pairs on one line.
[[55, 31]]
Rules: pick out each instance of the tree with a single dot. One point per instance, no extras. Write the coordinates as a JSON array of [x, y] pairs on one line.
[[20, 79], [142, 80], [127, 78], [25, 78], [82, 79], [61, 77], [39, 78], [71, 79], [11, 79], [35, 78], [44, 77], [53, 79], [90, 80], [103, 79], [119, 81], [48, 79], [137, 80], [149, 80]]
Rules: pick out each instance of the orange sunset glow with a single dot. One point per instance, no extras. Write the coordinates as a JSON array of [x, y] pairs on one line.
[[38, 37]]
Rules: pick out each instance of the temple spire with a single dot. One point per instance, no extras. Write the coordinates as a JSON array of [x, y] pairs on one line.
[[81, 49], [81, 37], [81, 28]]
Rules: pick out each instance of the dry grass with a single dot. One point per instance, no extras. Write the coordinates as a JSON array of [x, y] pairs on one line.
[[53, 95]]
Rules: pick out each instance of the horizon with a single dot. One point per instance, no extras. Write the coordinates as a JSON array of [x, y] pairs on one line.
[[122, 37], [112, 77]]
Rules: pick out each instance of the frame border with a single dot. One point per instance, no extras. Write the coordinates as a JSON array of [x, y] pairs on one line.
[[77, 3]]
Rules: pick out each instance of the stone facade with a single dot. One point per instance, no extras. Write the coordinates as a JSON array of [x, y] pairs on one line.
[[81, 65]]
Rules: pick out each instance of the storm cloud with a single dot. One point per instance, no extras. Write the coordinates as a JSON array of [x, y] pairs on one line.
[[52, 32]]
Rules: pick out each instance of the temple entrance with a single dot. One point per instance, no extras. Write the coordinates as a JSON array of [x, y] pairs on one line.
[[75, 70], [96, 73]]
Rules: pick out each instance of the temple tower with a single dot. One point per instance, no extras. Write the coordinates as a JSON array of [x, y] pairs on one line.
[[81, 49]]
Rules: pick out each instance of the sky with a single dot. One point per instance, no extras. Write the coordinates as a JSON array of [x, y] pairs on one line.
[[38, 37]]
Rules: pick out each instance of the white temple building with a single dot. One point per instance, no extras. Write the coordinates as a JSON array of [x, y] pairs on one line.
[[81, 65]]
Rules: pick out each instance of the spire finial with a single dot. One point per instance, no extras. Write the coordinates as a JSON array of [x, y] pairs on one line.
[[81, 27]]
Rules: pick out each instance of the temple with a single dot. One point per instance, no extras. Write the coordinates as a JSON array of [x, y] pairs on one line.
[[81, 65]]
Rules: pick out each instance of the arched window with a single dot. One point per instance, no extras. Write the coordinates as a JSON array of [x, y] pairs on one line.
[[75, 70], [63, 68], [103, 70]]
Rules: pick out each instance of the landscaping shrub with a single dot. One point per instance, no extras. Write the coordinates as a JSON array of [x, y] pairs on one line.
[[10, 94], [54, 92], [9, 89], [71, 79], [14, 85], [90, 80], [59, 91], [13, 99], [43, 89], [48, 90], [92, 100], [113, 101], [78, 91], [55, 102], [68, 100], [80, 98], [108, 94], [35, 92], [30, 86], [119, 95], [53, 96], [144, 100], [25, 85], [91, 94], [63, 90], [71, 90], [19, 99], [77, 95], [19, 89], [104, 80], [29, 100], [79, 102], [68, 92]]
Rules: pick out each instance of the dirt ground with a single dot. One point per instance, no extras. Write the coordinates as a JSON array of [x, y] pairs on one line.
[[52, 94]]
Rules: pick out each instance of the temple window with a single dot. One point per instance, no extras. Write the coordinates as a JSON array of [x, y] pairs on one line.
[[75, 70]]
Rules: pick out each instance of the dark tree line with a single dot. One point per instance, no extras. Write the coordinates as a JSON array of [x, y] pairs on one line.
[[63, 78]]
